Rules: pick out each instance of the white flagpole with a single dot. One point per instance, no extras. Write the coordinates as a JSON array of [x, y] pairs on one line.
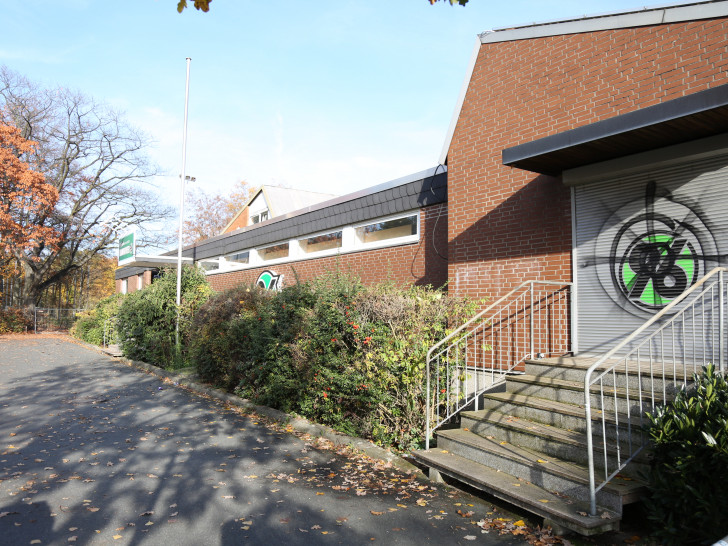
[[182, 204]]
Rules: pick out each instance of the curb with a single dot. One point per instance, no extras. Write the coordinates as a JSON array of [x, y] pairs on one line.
[[299, 424]]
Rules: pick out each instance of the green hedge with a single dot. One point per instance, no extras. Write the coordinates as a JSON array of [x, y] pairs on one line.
[[332, 350], [146, 321], [689, 470], [91, 325]]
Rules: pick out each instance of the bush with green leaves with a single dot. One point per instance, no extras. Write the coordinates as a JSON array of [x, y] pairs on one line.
[[333, 350], [98, 324], [147, 319], [14, 320], [689, 469]]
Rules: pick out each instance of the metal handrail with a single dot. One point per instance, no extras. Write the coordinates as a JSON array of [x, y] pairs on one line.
[[109, 331], [629, 340], [467, 334]]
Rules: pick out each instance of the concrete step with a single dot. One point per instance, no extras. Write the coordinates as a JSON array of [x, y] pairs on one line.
[[558, 511], [551, 473], [572, 392], [112, 350], [559, 414], [662, 378], [565, 444]]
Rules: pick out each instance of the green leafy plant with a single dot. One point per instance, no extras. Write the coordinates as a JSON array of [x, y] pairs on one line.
[[336, 351], [690, 463], [147, 319], [98, 324]]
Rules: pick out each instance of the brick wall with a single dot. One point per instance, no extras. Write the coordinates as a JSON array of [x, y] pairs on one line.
[[240, 221], [508, 225], [421, 263], [133, 281]]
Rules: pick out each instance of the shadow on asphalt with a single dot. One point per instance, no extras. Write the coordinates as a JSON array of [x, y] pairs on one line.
[[95, 450]]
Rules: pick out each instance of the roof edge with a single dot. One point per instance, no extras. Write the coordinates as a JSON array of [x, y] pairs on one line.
[[459, 103], [421, 175], [653, 15]]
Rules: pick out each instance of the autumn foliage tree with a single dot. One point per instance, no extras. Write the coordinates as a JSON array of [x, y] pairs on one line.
[[25, 198], [97, 183]]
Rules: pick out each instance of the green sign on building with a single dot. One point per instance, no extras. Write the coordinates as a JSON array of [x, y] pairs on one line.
[[127, 247]]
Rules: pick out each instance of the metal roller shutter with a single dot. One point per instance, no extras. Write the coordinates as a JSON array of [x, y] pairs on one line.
[[641, 240]]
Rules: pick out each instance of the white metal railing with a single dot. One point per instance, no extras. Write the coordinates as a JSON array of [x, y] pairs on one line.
[[648, 367], [531, 320], [109, 327]]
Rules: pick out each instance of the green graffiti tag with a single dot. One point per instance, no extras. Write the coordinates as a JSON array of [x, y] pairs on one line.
[[269, 280], [657, 268]]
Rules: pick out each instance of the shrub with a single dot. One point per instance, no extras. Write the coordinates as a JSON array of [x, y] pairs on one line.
[[97, 324], [333, 350], [147, 319], [210, 346], [690, 467], [15, 320]]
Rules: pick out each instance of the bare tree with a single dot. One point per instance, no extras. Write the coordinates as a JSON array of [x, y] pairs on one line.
[[209, 214], [99, 165]]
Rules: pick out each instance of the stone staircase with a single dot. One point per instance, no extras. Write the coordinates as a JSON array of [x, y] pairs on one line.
[[527, 446]]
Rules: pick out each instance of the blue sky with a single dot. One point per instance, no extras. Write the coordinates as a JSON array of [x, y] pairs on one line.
[[329, 95]]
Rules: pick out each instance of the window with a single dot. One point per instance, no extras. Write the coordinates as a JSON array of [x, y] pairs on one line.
[[239, 257], [261, 217], [124, 286], [273, 252], [319, 243], [140, 281], [209, 265], [389, 229], [378, 233]]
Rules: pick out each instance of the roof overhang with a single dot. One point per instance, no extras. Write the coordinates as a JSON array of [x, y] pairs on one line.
[[153, 261], [699, 115]]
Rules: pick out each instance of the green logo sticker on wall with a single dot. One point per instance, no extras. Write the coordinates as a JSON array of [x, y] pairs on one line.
[[269, 280]]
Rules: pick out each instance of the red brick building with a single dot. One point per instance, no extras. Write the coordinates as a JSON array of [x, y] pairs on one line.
[[566, 136], [395, 231], [547, 114]]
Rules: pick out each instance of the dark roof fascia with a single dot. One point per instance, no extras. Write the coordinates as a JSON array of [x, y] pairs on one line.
[[577, 147], [415, 191], [125, 272]]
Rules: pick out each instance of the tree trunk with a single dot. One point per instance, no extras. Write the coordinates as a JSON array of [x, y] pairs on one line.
[[29, 290]]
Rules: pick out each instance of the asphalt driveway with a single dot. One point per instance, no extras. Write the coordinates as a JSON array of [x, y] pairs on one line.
[[93, 451]]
